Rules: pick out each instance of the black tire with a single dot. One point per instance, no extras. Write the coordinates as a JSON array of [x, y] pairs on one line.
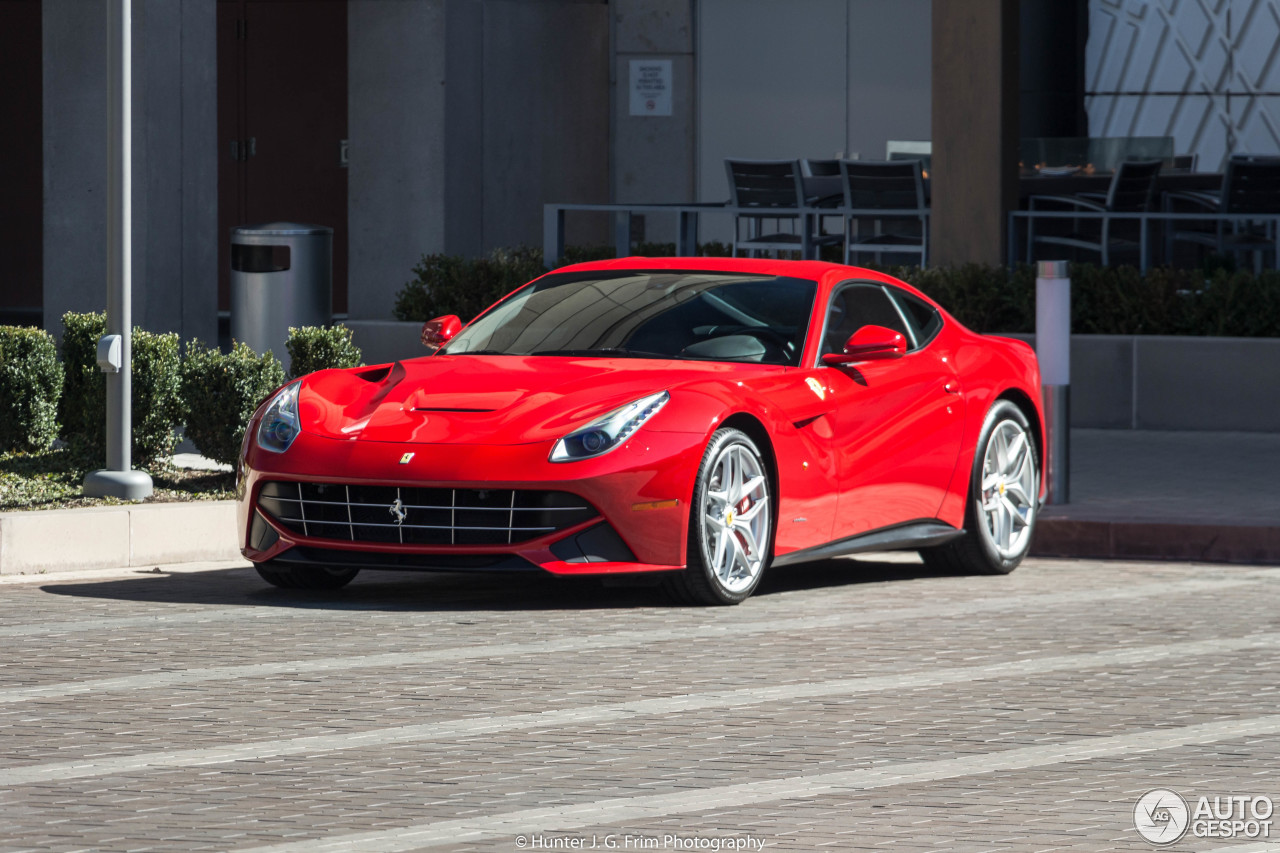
[[305, 577], [699, 583], [976, 552]]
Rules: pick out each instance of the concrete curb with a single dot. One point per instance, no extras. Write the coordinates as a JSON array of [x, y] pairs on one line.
[[166, 534], [1148, 540], [38, 542]]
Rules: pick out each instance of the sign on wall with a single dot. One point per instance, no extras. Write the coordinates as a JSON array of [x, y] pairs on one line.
[[651, 87]]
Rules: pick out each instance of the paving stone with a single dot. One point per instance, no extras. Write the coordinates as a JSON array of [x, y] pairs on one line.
[[344, 689]]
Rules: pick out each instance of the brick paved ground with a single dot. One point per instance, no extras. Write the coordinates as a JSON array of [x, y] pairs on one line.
[[851, 705]]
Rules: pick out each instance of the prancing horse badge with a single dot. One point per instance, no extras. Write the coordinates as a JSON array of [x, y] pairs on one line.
[[404, 460]]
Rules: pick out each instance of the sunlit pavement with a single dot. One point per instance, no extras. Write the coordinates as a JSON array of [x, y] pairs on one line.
[[1151, 494], [853, 704]]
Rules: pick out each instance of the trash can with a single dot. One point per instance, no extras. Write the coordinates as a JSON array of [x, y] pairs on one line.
[[281, 276]]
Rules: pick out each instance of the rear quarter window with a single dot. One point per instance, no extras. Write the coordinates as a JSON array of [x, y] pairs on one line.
[[925, 320]]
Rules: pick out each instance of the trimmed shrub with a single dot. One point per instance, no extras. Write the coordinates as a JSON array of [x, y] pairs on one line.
[[984, 298], [155, 402], [221, 392], [84, 386], [313, 348], [1111, 300], [449, 284], [1105, 300], [30, 387]]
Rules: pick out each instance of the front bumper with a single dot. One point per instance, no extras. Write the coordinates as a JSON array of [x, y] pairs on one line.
[[640, 495]]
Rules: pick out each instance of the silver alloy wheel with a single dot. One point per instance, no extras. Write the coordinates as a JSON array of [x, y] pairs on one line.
[[735, 518], [1010, 484]]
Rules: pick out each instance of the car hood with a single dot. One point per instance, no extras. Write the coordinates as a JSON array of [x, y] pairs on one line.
[[467, 399]]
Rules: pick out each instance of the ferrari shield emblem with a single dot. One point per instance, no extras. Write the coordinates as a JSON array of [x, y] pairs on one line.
[[404, 460]]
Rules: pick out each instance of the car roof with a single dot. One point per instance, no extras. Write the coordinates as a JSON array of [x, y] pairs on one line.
[[826, 274]]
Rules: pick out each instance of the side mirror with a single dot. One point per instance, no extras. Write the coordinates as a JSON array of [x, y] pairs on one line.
[[870, 343], [438, 332]]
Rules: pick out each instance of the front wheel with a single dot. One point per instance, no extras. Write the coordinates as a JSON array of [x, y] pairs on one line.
[[305, 577], [730, 524], [1004, 491]]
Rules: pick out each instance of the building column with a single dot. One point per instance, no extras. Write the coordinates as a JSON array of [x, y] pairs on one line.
[[975, 128], [653, 155], [174, 164]]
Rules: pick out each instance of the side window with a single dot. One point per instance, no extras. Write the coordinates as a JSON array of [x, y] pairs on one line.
[[924, 318], [855, 306]]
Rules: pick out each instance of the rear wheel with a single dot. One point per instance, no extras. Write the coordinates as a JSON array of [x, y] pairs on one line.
[[1004, 491], [305, 577], [730, 524]]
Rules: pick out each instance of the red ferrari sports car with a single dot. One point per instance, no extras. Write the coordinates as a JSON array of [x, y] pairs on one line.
[[705, 418]]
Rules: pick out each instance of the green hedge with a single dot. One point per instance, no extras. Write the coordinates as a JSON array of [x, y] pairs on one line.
[[221, 392], [1105, 300], [449, 284], [1112, 300], [313, 348], [155, 403], [30, 386]]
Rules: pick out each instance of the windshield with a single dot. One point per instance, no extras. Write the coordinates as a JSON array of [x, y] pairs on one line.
[[680, 315]]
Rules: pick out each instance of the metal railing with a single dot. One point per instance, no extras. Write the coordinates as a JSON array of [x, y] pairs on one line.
[[688, 216], [1144, 219]]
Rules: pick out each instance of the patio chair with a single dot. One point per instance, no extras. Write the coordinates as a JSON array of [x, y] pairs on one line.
[[776, 187], [1133, 190], [821, 168], [1251, 184], [897, 187]]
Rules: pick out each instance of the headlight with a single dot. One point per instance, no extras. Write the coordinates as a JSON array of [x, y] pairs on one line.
[[279, 426], [604, 434]]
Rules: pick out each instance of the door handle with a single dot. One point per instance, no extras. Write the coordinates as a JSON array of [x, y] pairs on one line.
[[952, 387]]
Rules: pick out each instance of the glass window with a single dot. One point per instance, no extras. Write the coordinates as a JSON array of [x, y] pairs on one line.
[[672, 315], [923, 317], [855, 306]]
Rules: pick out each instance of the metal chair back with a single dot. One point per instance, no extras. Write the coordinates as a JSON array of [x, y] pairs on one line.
[[890, 184], [896, 187], [1251, 186], [765, 183], [1133, 188], [821, 168]]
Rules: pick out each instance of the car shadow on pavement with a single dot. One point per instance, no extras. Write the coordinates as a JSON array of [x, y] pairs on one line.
[[425, 591]]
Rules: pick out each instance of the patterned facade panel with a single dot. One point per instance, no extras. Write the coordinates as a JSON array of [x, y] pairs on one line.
[[1206, 72], [1257, 125], [1167, 46], [1256, 43], [1199, 124]]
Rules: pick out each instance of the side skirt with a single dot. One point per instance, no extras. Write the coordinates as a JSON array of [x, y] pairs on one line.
[[901, 537]]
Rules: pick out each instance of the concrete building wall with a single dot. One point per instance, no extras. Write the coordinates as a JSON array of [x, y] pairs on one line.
[[465, 117], [827, 78], [890, 85], [75, 158], [396, 122], [175, 170], [653, 156], [546, 115], [464, 137]]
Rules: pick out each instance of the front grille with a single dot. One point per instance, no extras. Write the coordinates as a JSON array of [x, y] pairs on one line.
[[417, 516]]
